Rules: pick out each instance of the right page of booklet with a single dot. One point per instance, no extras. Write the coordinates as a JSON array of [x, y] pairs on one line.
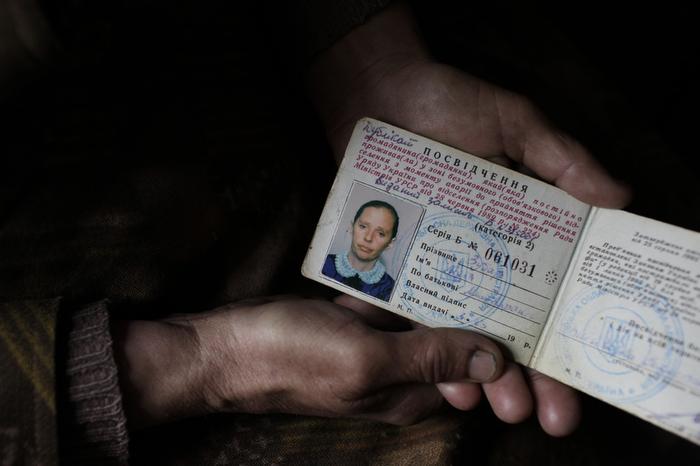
[[625, 327]]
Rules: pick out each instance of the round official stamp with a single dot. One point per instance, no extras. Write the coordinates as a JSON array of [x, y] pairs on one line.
[[447, 281], [624, 354]]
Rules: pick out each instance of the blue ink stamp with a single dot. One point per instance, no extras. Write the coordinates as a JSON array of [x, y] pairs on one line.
[[467, 289], [615, 352]]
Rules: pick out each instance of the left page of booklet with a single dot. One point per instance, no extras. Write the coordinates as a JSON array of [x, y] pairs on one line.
[[445, 238]]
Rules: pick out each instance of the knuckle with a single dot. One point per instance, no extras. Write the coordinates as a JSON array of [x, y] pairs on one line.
[[433, 359], [360, 367]]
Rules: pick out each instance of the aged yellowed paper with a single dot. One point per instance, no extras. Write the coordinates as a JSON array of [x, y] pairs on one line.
[[478, 246], [600, 299], [627, 325]]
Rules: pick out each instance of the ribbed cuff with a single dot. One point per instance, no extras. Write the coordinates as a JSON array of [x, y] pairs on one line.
[[98, 424]]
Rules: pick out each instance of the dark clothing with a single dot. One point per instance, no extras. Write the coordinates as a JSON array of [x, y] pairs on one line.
[[154, 176], [131, 195]]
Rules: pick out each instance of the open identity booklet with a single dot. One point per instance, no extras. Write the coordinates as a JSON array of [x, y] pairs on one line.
[[603, 300]]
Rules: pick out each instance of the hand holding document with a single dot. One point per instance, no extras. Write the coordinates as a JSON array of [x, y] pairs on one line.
[[600, 299]]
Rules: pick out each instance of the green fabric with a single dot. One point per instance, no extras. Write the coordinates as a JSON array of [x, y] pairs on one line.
[[296, 440], [27, 382]]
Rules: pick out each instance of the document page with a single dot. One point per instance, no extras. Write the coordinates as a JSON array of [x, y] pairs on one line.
[[627, 323], [445, 238]]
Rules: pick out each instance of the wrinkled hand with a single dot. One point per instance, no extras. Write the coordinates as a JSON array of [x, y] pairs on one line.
[[382, 70], [302, 356], [313, 357], [512, 396]]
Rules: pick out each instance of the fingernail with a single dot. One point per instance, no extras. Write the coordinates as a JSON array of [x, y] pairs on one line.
[[482, 366]]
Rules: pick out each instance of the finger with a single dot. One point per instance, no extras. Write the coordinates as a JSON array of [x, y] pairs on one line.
[[403, 404], [509, 395], [558, 406], [415, 325], [555, 156], [372, 315], [462, 395], [434, 355]]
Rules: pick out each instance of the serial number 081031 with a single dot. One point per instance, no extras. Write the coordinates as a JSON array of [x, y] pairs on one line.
[[513, 263]]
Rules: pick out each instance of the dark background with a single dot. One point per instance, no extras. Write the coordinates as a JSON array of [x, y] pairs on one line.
[[621, 80], [149, 84], [624, 82]]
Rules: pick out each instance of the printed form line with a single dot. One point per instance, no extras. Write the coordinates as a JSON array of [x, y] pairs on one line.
[[504, 281], [500, 309], [648, 370], [478, 328], [488, 289], [498, 322]]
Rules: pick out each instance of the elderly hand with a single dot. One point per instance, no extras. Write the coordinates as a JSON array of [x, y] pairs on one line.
[[383, 70], [302, 356]]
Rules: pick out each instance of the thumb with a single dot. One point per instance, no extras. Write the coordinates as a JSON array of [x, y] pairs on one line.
[[434, 355], [556, 157]]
